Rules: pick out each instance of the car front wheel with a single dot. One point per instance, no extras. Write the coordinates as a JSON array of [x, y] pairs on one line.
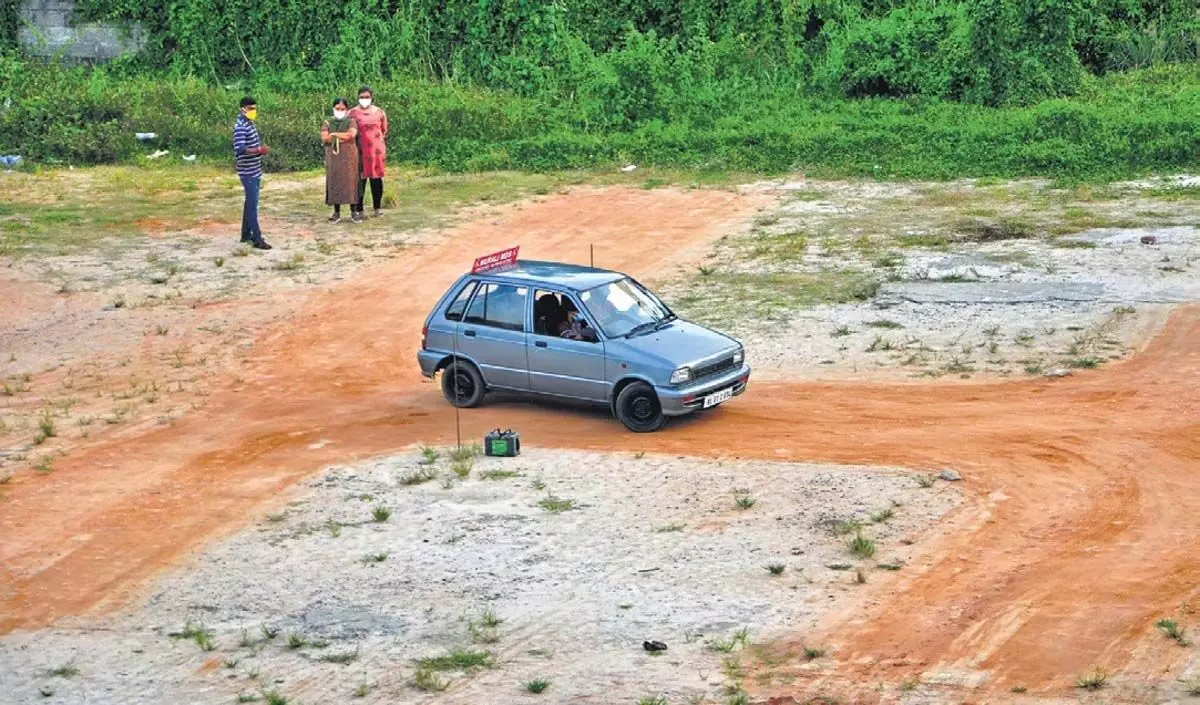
[[639, 409], [462, 385]]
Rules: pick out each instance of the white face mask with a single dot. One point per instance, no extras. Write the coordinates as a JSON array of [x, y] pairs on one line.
[[365, 102], [339, 114]]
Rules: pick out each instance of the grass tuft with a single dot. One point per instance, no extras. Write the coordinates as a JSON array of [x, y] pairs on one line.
[[198, 634], [343, 658], [1092, 681], [742, 499], [926, 481], [457, 660], [462, 468], [424, 679], [812, 653], [883, 515], [67, 670], [381, 514], [862, 546], [1170, 629], [653, 700], [775, 568], [537, 685], [418, 476], [499, 474], [467, 452], [556, 505], [296, 640]]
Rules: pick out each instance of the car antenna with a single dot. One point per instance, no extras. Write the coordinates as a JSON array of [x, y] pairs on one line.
[[592, 249]]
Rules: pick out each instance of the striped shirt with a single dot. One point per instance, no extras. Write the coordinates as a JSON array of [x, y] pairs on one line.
[[245, 136]]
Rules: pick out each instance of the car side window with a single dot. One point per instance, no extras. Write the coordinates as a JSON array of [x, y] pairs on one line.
[[557, 315], [454, 311], [548, 314], [499, 306]]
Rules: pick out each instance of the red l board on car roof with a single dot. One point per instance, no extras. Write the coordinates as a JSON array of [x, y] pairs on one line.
[[496, 260]]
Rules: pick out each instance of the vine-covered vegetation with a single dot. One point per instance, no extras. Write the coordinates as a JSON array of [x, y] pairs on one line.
[[931, 88]]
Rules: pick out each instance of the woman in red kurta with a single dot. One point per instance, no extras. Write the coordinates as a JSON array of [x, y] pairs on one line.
[[372, 126]]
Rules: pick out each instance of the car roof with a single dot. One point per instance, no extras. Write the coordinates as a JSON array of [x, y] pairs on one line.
[[568, 276]]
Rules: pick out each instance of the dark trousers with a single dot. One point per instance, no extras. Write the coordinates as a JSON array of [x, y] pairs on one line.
[[250, 229], [376, 193]]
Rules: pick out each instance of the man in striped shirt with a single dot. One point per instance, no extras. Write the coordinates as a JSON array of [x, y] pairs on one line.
[[249, 151]]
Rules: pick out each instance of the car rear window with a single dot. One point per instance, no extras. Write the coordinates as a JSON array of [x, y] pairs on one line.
[[455, 310]]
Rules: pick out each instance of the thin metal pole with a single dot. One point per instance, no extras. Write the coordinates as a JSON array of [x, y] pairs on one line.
[[457, 387], [592, 248]]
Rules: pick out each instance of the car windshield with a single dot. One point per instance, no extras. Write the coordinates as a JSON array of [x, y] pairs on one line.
[[624, 306]]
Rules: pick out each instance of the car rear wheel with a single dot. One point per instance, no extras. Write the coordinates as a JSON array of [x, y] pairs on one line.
[[639, 409], [462, 385]]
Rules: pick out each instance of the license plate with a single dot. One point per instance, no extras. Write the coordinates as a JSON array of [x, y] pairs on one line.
[[714, 399]]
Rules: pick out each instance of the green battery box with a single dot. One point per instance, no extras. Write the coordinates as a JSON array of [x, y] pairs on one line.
[[502, 444]]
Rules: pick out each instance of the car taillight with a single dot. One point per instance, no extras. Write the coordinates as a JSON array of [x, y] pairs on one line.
[[424, 332]]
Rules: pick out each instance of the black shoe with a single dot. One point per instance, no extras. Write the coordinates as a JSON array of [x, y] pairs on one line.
[[261, 245]]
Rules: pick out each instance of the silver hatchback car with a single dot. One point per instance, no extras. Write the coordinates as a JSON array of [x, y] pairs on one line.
[[571, 332]]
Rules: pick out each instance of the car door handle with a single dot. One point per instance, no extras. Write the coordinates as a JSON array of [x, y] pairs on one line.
[[540, 343], [469, 333]]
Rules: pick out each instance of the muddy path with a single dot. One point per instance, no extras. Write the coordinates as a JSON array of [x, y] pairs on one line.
[[1086, 495]]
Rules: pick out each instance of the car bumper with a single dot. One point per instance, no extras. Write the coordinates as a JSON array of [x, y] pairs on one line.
[[677, 401], [429, 361]]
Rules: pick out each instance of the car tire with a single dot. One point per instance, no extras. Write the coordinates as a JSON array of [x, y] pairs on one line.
[[470, 387], [638, 408]]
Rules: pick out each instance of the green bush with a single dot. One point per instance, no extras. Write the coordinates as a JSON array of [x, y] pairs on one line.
[[631, 60], [1116, 127]]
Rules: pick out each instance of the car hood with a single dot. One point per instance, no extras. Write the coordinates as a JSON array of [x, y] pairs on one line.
[[681, 343]]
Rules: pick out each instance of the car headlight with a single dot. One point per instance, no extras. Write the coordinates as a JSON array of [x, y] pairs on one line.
[[739, 356], [681, 375]]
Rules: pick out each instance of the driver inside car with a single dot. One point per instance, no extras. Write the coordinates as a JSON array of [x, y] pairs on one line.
[[575, 327]]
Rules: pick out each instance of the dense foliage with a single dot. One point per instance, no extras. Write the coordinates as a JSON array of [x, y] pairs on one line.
[[985, 51], [10, 22], [904, 88], [1117, 126]]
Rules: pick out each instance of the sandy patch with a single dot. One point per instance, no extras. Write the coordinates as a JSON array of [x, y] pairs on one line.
[[654, 548]]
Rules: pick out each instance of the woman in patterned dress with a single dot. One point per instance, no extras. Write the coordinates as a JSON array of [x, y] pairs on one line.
[[372, 126], [341, 160]]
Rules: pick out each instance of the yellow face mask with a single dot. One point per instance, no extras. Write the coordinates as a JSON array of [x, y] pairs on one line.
[[252, 114]]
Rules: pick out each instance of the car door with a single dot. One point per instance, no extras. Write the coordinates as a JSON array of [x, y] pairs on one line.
[[492, 333], [562, 366]]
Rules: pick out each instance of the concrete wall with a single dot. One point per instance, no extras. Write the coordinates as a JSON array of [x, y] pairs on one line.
[[47, 32]]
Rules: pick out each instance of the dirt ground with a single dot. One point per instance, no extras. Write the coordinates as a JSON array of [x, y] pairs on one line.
[[637, 548], [162, 429]]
